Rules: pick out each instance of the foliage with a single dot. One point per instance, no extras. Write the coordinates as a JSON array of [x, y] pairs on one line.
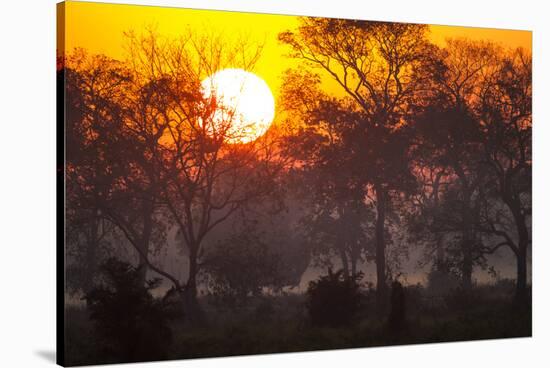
[[333, 300], [144, 153], [364, 138], [397, 317], [132, 324], [441, 280], [241, 266], [245, 331], [440, 136]]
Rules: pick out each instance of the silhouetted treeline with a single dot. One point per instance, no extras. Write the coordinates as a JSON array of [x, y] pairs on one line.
[[422, 147]]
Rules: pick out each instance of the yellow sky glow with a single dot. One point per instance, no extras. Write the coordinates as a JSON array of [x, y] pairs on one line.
[[99, 27]]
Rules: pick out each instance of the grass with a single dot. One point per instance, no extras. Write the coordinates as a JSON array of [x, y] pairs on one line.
[[280, 324]]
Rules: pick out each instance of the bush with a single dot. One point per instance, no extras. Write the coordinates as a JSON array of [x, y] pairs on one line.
[[132, 324], [398, 311], [333, 300], [441, 281]]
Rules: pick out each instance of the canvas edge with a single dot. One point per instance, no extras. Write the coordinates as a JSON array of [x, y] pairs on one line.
[[60, 186]]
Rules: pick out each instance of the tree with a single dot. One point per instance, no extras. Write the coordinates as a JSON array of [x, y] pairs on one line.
[[454, 148], [164, 156], [380, 66], [271, 226], [506, 114], [203, 175], [241, 266], [94, 87], [123, 118], [454, 151], [336, 221], [424, 211]]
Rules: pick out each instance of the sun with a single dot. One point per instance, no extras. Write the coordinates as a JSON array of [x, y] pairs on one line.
[[245, 106]]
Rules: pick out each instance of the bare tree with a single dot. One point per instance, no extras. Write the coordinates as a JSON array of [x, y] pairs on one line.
[[166, 153], [206, 177]]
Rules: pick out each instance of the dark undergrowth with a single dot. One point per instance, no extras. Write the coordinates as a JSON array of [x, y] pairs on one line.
[[265, 325]]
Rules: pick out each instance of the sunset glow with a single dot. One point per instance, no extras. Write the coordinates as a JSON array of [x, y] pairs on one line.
[[246, 105], [281, 176], [99, 28]]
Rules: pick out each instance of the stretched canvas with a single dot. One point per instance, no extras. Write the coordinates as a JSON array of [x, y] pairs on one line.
[[235, 183]]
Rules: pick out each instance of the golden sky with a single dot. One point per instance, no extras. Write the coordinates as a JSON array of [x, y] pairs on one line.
[[99, 27]]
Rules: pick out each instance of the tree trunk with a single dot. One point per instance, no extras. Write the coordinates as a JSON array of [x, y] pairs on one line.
[[466, 243], [193, 312], [521, 254], [142, 264], [440, 255], [467, 266], [381, 287], [345, 264], [353, 266], [145, 239], [91, 254], [191, 285], [514, 205], [521, 283], [440, 264]]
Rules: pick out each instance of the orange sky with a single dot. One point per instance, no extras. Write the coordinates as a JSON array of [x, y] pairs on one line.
[[99, 28]]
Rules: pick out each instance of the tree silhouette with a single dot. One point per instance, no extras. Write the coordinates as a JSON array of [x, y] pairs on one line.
[[380, 66], [336, 221], [506, 114], [206, 177], [418, 145], [133, 324], [455, 148], [161, 155], [241, 266], [94, 89]]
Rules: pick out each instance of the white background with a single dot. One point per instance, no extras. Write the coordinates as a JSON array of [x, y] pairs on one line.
[[27, 182]]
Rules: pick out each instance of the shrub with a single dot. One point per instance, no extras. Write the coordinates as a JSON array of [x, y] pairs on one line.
[[441, 281], [333, 300], [132, 324], [398, 311]]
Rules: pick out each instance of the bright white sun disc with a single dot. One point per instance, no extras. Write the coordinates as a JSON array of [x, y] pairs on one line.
[[245, 106]]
